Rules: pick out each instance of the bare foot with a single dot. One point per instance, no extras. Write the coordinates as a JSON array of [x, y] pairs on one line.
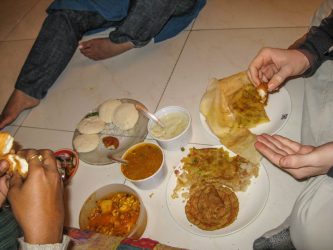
[[17, 102], [102, 48]]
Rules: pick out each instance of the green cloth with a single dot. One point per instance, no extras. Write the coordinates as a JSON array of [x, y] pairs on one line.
[[9, 230]]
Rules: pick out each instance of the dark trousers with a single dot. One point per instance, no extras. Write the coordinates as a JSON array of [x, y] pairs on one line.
[[61, 31]]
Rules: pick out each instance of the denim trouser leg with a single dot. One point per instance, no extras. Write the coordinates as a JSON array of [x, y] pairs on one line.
[[146, 18], [53, 49]]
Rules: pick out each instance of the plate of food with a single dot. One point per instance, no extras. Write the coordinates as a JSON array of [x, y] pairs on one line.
[[111, 128], [278, 110], [214, 192]]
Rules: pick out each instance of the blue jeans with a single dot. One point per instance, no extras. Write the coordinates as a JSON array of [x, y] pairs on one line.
[[63, 29]]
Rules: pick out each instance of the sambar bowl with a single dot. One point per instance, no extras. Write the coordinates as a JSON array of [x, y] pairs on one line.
[[145, 165]]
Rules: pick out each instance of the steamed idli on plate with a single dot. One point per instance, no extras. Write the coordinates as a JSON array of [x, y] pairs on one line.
[[91, 125], [86, 143], [125, 116], [107, 109]]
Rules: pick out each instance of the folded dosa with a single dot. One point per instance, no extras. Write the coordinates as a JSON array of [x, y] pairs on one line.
[[231, 107]]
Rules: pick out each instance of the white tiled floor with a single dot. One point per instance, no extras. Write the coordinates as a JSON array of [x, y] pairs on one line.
[[222, 41]]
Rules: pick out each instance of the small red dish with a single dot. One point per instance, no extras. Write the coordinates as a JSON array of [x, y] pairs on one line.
[[69, 162]]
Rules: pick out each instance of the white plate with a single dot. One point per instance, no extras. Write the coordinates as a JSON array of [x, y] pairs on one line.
[[251, 203], [127, 138], [278, 110]]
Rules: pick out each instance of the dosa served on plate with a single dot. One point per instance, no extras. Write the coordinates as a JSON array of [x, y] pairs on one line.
[[208, 180], [231, 107]]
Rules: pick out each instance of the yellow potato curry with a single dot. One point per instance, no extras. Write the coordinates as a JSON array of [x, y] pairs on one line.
[[115, 215], [143, 161]]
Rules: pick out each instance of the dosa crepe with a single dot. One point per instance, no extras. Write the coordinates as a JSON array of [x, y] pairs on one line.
[[231, 107]]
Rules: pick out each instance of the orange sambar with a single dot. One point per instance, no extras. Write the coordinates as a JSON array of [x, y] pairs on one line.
[[143, 161]]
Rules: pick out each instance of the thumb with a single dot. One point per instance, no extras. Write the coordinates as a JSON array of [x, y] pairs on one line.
[[15, 184], [295, 161], [279, 78]]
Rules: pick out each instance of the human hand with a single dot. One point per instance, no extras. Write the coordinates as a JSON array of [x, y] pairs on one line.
[[4, 181], [37, 201], [274, 66], [301, 161]]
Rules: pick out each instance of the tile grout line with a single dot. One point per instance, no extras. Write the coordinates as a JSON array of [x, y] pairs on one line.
[[50, 129], [173, 69]]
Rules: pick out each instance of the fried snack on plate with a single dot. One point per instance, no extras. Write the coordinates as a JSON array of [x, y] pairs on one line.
[[16, 163], [214, 165], [211, 206], [231, 107]]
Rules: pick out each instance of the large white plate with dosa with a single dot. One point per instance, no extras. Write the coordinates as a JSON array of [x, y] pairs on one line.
[[278, 109], [251, 203]]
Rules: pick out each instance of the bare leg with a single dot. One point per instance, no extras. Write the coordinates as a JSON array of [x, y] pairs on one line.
[[17, 102], [103, 48]]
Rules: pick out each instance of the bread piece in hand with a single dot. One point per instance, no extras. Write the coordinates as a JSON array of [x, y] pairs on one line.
[[6, 143], [16, 163], [263, 92]]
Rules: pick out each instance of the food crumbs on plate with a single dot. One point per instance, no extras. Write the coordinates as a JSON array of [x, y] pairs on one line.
[[151, 195]]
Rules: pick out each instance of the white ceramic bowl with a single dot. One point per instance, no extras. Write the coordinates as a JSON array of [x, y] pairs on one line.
[[103, 192], [153, 180], [181, 139]]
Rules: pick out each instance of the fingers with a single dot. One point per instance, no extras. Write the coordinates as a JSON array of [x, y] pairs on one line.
[[4, 166], [15, 182], [38, 159], [49, 160], [253, 73], [292, 145], [275, 144], [261, 60]]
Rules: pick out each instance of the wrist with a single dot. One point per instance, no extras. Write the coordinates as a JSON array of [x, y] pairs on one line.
[[41, 237], [56, 246]]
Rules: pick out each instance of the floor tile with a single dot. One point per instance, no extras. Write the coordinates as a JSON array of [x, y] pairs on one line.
[[218, 54], [31, 23], [226, 14], [11, 13], [139, 74], [12, 57]]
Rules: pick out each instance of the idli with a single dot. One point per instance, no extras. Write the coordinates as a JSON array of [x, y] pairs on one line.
[[106, 110], [91, 125], [125, 116], [86, 143]]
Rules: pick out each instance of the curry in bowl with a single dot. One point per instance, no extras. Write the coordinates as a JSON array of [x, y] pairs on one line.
[[115, 215], [114, 210], [144, 160]]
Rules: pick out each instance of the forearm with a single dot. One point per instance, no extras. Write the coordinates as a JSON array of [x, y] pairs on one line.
[[317, 45]]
